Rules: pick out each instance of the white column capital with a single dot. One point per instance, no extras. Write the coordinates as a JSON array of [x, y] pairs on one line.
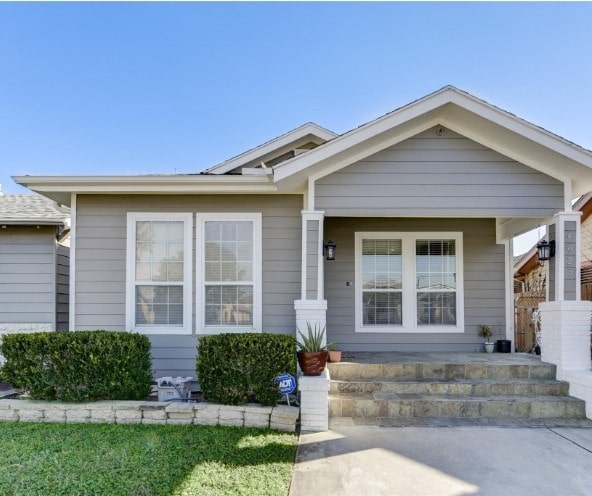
[[567, 215], [312, 214]]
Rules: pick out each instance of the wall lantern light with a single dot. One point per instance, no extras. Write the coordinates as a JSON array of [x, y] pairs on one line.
[[330, 248], [546, 250]]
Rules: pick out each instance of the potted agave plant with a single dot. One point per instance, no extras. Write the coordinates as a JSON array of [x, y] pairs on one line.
[[486, 331], [312, 351]]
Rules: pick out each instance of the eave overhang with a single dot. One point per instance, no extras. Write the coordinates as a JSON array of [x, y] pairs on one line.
[[60, 188], [31, 222]]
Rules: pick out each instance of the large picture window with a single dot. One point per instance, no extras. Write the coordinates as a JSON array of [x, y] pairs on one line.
[[409, 282], [229, 255], [159, 272]]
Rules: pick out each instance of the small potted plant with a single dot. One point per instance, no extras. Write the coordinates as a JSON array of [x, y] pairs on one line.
[[486, 331], [334, 355], [312, 352]]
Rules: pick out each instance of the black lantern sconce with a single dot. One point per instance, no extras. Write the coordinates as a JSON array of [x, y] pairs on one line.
[[546, 250], [329, 250]]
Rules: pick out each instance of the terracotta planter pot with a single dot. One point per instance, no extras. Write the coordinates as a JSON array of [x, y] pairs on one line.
[[312, 363], [335, 356]]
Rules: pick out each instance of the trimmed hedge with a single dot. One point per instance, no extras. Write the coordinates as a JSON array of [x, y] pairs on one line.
[[79, 366], [242, 368]]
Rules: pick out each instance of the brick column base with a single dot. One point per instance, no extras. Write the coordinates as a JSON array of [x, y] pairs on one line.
[[565, 334], [314, 402]]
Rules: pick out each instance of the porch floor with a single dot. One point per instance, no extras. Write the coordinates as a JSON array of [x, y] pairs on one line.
[[440, 357]]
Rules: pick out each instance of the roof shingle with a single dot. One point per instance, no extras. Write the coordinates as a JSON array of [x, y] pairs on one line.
[[31, 209]]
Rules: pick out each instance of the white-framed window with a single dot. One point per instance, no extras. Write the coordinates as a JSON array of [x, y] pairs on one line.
[[228, 287], [159, 272], [409, 282]]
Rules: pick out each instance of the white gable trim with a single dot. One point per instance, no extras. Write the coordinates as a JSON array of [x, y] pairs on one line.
[[281, 141], [460, 112]]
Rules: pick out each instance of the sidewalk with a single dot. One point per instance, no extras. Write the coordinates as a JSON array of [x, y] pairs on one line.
[[457, 461]]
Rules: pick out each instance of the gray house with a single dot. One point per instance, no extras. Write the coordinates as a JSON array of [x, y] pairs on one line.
[[34, 260], [421, 204]]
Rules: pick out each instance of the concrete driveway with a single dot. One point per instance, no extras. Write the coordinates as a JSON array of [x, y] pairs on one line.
[[444, 461]]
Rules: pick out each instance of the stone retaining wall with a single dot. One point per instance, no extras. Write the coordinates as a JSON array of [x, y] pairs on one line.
[[281, 417]]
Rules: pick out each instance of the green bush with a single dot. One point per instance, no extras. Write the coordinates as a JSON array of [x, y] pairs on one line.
[[242, 368], [79, 366]]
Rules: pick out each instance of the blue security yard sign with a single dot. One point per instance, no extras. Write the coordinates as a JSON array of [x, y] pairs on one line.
[[287, 383]]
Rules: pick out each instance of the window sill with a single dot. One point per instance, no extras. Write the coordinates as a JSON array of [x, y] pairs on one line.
[[411, 330], [169, 331], [224, 330]]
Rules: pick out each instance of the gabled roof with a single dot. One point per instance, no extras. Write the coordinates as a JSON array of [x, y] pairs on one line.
[[448, 107], [25, 210], [461, 112], [277, 146]]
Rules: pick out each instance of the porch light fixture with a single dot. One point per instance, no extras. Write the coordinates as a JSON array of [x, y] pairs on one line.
[[330, 250], [546, 250]]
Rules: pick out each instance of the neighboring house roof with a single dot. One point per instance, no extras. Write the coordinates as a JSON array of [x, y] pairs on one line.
[[31, 210], [448, 107]]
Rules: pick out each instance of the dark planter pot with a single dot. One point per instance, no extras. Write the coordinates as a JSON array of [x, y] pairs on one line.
[[504, 346], [312, 363]]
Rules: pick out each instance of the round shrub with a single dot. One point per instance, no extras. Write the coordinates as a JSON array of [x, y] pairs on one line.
[[242, 368], [79, 366]]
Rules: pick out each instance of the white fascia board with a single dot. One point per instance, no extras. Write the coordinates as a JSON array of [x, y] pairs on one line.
[[520, 126], [60, 187], [359, 135], [270, 146]]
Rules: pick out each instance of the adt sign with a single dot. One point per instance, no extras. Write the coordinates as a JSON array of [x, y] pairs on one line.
[[287, 383]]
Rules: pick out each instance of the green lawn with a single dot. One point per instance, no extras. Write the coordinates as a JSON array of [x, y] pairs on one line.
[[83, 459]]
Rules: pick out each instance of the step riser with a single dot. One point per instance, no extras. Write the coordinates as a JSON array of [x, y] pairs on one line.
[[467, 389], [364, 408], [356, 371]]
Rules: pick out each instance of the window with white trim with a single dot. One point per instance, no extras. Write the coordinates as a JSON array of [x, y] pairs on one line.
[[229, 279], [159, 272], [409, 282]]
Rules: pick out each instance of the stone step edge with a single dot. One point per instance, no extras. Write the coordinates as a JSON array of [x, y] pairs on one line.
[[419, 370], [459, 380], [516, 422], [448, 397]]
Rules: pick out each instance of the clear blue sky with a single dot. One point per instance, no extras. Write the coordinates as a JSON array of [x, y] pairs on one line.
[[111, 88]]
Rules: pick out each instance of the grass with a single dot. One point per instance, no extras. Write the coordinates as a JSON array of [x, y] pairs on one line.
[[87, 459]]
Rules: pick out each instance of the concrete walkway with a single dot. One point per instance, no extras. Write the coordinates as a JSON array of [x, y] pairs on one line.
[[457, 461]]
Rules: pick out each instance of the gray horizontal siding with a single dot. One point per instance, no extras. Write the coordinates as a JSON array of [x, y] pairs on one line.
[[27, 275], [173, 355], [437, 176], [483, 284], [101, 263]]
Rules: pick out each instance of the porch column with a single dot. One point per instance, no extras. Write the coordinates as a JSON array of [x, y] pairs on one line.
[[565, 319], [564, 268], [312, 307]]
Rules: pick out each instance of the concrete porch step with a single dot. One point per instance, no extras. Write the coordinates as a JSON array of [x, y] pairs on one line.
[[442, 370], [466, 387], [392, 405], [461, 422]]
